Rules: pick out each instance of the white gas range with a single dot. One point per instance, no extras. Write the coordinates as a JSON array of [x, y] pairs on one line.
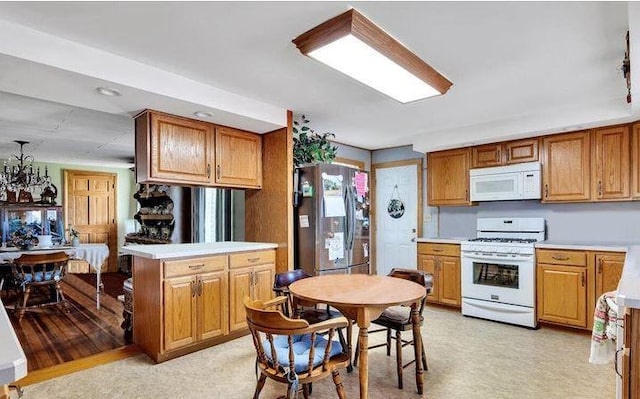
[[498, 270]]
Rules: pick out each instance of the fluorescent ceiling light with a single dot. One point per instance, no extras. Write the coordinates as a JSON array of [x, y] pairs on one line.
[[355, 46]]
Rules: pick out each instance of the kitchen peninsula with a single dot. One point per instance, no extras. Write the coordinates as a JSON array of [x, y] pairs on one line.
[[190, 296]]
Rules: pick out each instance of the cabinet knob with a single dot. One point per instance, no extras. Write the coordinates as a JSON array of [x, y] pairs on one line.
[[193, 289], [582, 278], [208, 171], [217, 171], [600, 266], [546, 191]]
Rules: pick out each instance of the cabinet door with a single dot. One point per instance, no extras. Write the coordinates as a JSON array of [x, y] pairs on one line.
[[448, 177], [567, 167], [611, 163], [238, 158], [428, 264], [181, 150], [608, 272], [635, 162], [521, 151], [449, 276], [263, 282], [240, 283], [562, 294], [212, 305], [486, 155], [179, 312]]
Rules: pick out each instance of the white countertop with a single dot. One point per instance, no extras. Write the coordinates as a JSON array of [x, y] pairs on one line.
[[13, 362], [443, 240], [586, 246], [169, 251], [629, 286]]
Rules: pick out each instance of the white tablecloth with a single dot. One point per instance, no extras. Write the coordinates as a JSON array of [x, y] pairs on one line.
[[94, 254]]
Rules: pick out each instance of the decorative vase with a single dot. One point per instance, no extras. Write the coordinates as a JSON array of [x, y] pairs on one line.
[[75, 242]]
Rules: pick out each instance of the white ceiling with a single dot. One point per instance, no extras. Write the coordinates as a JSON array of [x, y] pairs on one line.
[[517, 69]]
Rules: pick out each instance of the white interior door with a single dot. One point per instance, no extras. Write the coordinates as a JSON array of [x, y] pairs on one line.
[[396, 231]]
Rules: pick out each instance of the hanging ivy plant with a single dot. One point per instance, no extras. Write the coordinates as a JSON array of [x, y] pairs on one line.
[[309, 146]]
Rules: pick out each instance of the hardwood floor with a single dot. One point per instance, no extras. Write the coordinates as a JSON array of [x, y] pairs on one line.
[[51, 337]]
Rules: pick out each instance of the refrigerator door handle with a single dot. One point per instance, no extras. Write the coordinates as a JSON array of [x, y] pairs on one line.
[[350, 217]]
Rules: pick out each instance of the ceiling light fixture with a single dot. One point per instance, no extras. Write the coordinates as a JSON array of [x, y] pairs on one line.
[[203, 114], [355, 46], [108, 91], [19, 180]]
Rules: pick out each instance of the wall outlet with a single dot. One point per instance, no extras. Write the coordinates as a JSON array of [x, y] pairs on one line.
[[427, 217]]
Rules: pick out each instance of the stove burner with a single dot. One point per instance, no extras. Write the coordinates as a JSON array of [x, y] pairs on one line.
[[503, 240]]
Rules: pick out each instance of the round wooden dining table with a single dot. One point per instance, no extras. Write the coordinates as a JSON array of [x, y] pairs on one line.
[[363, 298]]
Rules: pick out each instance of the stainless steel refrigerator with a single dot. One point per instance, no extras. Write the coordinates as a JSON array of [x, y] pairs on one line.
[[332, 220]]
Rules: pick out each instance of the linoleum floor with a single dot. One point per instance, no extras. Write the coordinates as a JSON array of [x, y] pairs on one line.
[[468, 358]]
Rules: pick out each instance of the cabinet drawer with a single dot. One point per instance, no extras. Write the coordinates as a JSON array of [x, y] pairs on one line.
[[194, 266], [251, 258], [560, 257], [429, 248]]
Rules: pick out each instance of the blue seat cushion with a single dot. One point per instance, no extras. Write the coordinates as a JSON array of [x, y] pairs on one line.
[[42, 276], [301, 348]]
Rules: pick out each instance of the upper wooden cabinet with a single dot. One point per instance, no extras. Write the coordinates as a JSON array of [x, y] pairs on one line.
[[610, 161], [521, 151], [566, 170], [635, 161], [238, 158], [507, 153], [170, 149], [486, 155], [448, 177], [175, 150]]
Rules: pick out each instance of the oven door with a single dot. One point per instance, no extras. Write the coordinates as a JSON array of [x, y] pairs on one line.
[[508, 279]]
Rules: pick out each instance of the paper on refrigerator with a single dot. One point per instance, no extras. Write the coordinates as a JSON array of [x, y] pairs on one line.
[[336, 246], [332, 198]]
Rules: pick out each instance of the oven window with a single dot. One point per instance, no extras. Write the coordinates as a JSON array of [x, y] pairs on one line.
[[496, 275]]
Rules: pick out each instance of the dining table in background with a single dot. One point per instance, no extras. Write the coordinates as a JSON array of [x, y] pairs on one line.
[[94, 254], [363, 298]]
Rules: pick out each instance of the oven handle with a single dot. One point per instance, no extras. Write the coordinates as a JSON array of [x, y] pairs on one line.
[[484, 258]]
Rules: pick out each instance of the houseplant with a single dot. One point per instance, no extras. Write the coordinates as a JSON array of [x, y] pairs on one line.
[[309, 146]]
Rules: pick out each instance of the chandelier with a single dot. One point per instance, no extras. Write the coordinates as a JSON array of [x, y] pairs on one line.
[[19, 181]]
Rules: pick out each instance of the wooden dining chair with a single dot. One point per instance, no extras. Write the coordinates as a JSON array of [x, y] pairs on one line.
[[309, 312], [398, 319], [292, 351], [44, 271]]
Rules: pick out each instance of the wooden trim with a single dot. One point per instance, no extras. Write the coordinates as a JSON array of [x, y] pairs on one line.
[[79, 365], [356, 24], [418, 162], [350, 162], [269, 212]]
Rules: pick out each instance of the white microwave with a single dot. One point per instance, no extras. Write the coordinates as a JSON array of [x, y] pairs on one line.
[[513, 182]]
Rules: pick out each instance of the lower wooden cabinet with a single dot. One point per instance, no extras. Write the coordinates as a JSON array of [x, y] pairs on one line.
[[188, 304], [562, 294], [608, 272], [445, 270], [631, 355], [255, 282], [569, 282]]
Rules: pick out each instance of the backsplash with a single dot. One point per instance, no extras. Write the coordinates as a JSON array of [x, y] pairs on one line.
[[591, 222]]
